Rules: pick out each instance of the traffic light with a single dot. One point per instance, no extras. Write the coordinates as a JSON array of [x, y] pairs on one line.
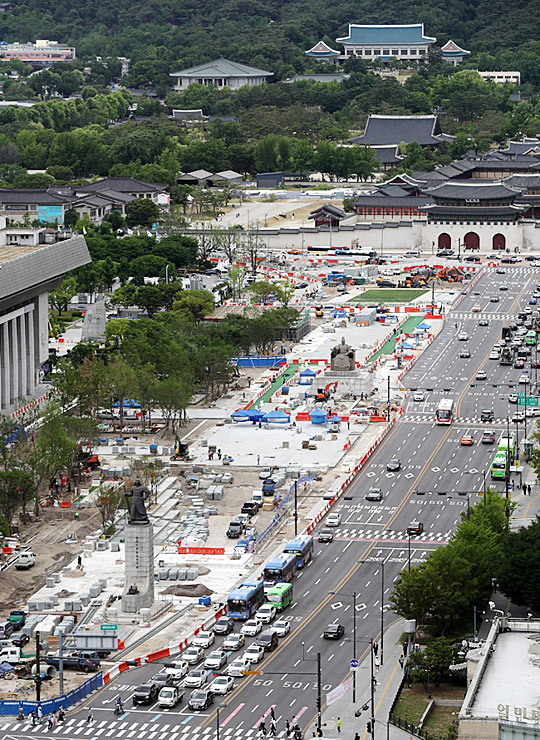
[[368, 727]]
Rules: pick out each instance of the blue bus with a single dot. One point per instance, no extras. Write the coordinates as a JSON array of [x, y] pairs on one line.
[[302, 547], [280, 569], [243, 602]]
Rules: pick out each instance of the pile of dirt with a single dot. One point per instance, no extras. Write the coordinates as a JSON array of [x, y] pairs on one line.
[[195, 590]]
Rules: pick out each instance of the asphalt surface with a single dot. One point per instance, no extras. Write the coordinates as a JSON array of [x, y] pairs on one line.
[[438, 479]]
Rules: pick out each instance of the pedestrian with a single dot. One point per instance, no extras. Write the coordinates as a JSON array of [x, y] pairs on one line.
[[375, 648], [61, 714], [21, 712], [338, 724], [405, 648], [272, 715], [262, 728], [89, 716], [529, 489], [287, 728], [39, 712], [377, 663], [33, 718], [356, 736], [79, 562], [50, 723], [219, 454], [258, 459], [273, 732], [401, 661], [524, 487]]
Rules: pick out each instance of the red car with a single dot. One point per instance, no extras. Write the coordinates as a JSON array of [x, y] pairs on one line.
[[518, 364]]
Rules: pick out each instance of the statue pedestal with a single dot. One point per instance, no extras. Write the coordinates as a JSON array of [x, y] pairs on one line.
[[352, 382], [139, 568]]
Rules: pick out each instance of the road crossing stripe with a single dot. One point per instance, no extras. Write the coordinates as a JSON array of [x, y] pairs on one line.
[[300, 713], [232, 714]]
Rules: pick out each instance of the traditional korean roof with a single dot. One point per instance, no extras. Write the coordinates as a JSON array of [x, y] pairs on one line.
[[478, 211], [380, 130], [32, 195], [381, 201], [407, 34], [326, 78], [122, 185], [328, 208], [472, 191], [321, 50], [527, 146], [221, 68], [451, 50], [387, 153]]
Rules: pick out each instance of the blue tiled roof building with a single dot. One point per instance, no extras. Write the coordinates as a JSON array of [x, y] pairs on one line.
[[404, 42]]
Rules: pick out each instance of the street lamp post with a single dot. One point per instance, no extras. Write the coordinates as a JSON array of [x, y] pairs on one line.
[[409, 558]]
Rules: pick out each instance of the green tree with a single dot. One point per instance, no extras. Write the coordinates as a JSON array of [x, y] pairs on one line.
[[142, 212], [519, 572], [61, 296], [196, 303]]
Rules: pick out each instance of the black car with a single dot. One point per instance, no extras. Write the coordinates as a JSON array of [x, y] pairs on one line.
[[223, 626], [235, 530], [250, 507], [19, 639], [162, 679], [464, 354], [374, 494], [201, 699], [483, 322], [486, 415], [488, 438], [145, 694], [444, 253], [334, 631], [471, 259], [325, 535], [393, 464]]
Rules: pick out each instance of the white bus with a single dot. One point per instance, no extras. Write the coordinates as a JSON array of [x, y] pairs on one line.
[[443, 415]]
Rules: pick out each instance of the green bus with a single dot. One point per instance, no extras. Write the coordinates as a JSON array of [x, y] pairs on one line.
[[280, 595], [500, 465], [507, 443], [530, 337]]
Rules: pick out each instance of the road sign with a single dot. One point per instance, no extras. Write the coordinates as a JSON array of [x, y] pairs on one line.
[[109, 627], [354, 664], [253, 673], [528, 401]]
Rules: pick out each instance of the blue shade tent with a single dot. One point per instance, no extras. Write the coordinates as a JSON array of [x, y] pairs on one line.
[[335, 419], [406, 345], [318, 416], [256, 414], [423, 325], [306, 377], [241, 415], [277, 417]]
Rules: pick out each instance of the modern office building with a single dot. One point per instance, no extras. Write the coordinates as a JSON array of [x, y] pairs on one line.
[[41, 54], [28, 271]]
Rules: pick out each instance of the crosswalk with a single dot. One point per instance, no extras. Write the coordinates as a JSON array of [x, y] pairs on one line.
[[346, 533], [481, 315], [430, 419], [124, 729]]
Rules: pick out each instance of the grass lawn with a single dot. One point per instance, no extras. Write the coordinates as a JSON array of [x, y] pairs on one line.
[[440, 719], [413, 703], [388, 295]]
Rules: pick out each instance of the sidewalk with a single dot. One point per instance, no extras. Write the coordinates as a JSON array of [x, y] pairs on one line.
[[388, 679]]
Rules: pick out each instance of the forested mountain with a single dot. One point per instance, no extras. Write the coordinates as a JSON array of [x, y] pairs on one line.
[[271, 34]]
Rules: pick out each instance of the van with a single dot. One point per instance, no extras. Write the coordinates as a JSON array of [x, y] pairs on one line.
[[169, 696], [6, 630], [258, 497], [267, 639], [26, 560], [10, 655]]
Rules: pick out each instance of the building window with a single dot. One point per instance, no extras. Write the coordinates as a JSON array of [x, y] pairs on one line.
[[395, 52], [421, 51], [412, 52], [404, 52], [386, 52], [377, 52], [367, 52]]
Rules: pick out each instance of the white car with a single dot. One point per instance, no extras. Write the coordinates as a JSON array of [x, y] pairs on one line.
[[234, 641], [196, 678], [265, 473], [238, 666], [222, 685], [463, 336], [419, 396], [251, 628], [266, 613], [254, 653], [178, 670], [333, 519], [282, 627], [203, 639], [216, 660], [524, 378]]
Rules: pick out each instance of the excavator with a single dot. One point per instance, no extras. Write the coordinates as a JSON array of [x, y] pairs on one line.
[[324, 395]]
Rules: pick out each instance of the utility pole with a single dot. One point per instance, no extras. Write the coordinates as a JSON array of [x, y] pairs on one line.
[[38, 669], [217, 723], [382, 611], [372, 693], [507, 458], [354, 649], [388, 401], [319, 693], [295, 508], [61, 660]]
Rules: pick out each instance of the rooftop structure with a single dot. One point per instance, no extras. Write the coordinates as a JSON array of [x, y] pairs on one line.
[[473, 201], [405, 42], [322, 51], [500, 78], [383, 130], [41, 54], [222, 73], [453, 53]]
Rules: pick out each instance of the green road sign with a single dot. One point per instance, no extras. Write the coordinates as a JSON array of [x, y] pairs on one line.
[[529, 401], [109, 627]]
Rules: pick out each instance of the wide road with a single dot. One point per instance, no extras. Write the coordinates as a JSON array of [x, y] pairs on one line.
[[438, 479]]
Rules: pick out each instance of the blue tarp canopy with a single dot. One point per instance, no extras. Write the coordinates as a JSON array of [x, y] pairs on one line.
[[406, 345], [277, 417], [335, 418], [241, 415], [318, 416], [308, 372], [423, 325], [256, 414]]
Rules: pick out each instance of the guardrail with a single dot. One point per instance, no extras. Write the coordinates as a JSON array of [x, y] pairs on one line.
[[53, 705]]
